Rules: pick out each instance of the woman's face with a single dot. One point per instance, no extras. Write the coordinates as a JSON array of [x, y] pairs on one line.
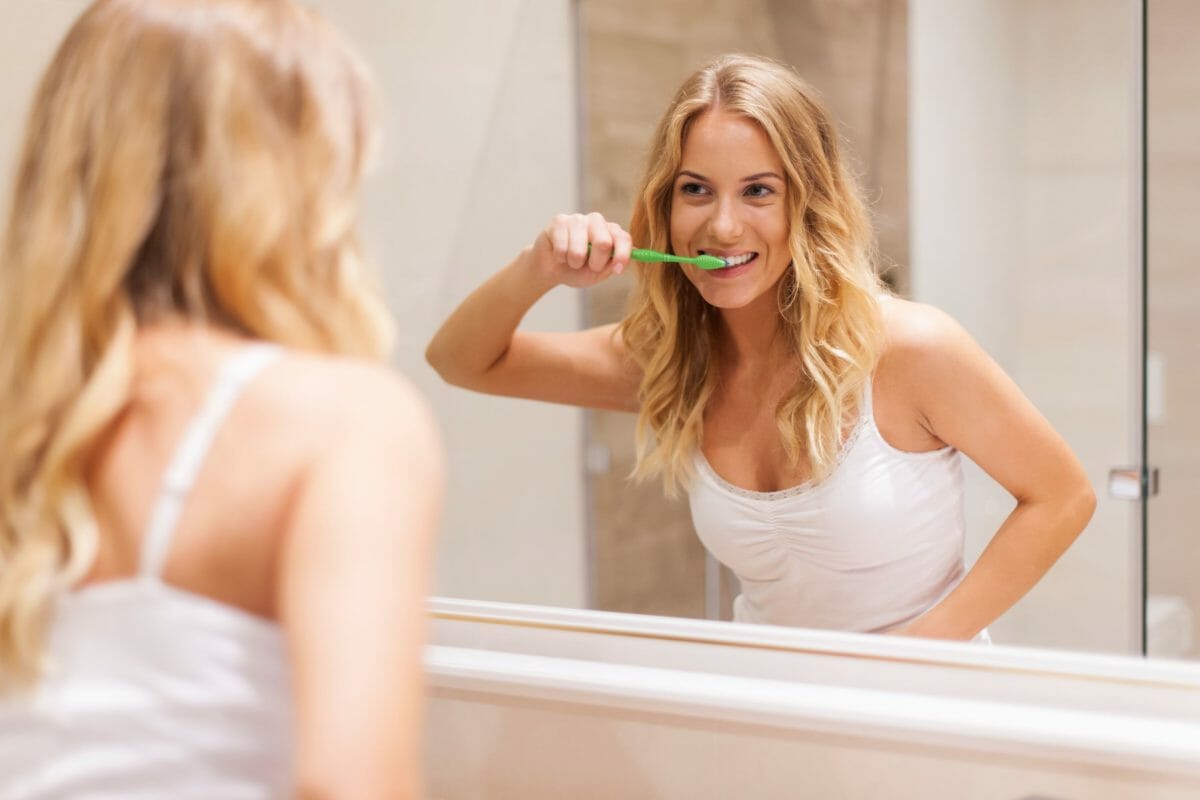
[[729, 201]]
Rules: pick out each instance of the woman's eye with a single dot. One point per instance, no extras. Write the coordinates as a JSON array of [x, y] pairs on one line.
[[693, 189], [759, 190]]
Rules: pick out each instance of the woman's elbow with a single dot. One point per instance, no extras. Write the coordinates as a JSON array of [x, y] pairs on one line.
[[461, 372], [444, 364], [436, 359], [1089, 499], [1082, 504]]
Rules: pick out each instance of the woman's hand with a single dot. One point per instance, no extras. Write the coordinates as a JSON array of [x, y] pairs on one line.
[[560, 253], [479, 347]]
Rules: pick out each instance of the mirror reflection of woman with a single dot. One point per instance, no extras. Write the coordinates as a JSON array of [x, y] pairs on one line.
[[216, 505], [815, 420]]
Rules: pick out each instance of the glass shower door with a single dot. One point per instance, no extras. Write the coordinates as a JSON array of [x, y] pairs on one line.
[[1173, 329], [1025, 185]]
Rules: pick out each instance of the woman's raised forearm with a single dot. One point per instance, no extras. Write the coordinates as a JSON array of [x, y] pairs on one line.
[[478, 333]]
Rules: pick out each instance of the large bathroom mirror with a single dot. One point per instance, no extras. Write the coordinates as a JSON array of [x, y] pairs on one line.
[[1008, 152], [1017, 180], [999, 143]]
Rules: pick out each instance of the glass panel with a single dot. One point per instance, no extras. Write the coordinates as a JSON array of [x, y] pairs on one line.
[[1173, 296]]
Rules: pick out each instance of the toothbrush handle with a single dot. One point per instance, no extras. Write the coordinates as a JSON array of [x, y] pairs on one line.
[[646, 255], [643, 254]]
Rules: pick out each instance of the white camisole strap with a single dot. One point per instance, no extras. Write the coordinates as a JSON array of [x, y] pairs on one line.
[[235, 373]]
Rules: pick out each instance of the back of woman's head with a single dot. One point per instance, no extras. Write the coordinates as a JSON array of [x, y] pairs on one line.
[[194, 159], [827, 299]]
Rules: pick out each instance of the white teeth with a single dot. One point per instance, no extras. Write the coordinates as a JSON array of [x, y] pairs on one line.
[[737, 261], [734, 261]]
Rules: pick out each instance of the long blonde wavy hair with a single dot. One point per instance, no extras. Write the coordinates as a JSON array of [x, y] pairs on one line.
[[827, 300], [194, 159]]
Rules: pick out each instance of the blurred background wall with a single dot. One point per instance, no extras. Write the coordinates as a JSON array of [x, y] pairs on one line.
[[480, 149]]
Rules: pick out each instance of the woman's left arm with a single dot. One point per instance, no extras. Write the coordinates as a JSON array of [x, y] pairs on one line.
[[966, 400]]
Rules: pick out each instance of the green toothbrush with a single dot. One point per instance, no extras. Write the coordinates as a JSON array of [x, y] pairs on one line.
[[653, 256], [702, 261]]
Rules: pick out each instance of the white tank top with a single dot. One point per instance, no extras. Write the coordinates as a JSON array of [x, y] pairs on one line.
[[871, 547], [152, 691]]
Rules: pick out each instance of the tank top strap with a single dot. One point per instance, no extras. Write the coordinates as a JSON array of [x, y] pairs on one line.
[[232, 377], [867, 401]]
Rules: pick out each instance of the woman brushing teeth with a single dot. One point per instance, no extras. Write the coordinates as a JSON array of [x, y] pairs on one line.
[[817, 423]]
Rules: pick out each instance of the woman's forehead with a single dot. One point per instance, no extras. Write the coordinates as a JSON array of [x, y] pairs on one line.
[[729, 144]]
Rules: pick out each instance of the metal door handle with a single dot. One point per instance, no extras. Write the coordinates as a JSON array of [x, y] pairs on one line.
[[1126, 483]]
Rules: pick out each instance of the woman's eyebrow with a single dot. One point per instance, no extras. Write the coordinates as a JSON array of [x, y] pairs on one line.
[[755, 177], [760, 175]]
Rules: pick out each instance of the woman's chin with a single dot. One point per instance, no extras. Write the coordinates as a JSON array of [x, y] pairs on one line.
[[727, 299], [731, 292]]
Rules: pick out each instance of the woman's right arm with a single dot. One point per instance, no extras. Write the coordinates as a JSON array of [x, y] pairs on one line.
[[479, 347]]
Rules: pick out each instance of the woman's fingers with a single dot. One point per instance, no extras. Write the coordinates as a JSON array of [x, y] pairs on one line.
[[577, 249], [622, 245], [601, 241], [587, 242], [559, 236]]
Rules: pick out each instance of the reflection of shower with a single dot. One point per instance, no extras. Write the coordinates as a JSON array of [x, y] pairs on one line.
[[855, 54], [1169, 626], [879, 106], [875, 149]]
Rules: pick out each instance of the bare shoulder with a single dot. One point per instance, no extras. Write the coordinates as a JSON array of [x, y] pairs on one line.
[[332, 402], [916, 330], [928, 362], [925, 346]]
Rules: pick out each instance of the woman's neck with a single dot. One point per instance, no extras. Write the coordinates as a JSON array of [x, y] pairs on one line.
[[179, 349], [752, 336]]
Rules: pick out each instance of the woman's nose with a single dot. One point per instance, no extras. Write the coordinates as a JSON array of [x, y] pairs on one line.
[[725, 224]]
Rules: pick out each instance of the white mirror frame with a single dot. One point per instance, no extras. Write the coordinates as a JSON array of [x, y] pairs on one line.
[[1032, 720]]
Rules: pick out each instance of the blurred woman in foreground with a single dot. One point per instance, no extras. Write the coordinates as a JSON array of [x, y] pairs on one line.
[[218, 504]]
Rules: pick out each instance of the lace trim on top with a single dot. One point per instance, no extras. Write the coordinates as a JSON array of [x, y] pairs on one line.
[[864, 418]]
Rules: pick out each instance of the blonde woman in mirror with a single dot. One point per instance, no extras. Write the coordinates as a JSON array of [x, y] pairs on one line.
[[816, 421], [218, 504]]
